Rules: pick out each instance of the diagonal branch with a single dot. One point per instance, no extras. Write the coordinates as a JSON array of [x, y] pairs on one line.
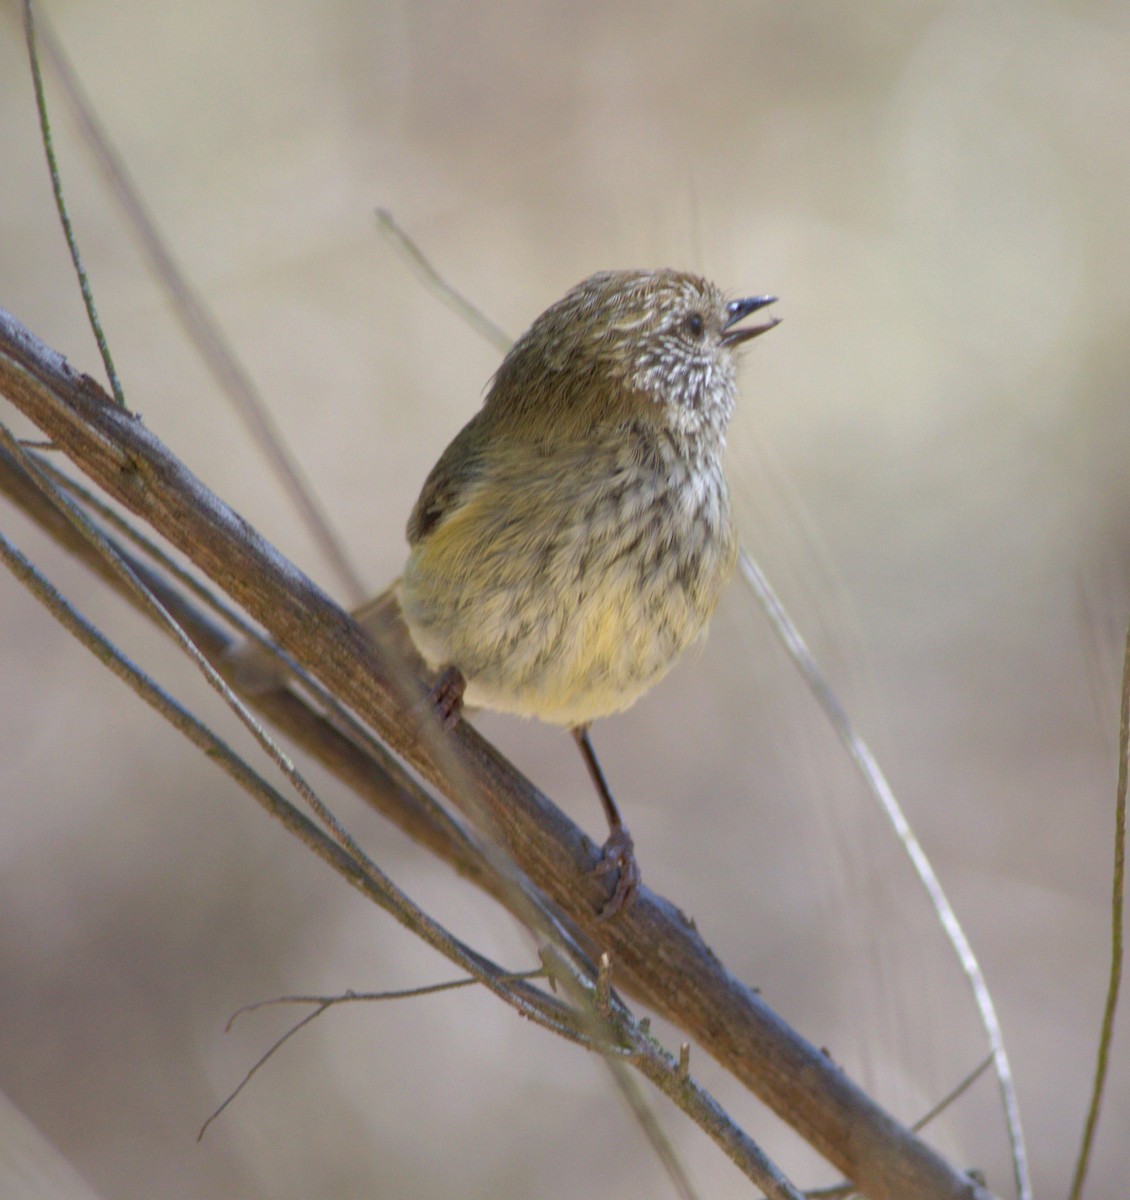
[[659, 958], [596, 1020]]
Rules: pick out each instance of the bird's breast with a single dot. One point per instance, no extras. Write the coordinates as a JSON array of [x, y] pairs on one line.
[[566, 591]]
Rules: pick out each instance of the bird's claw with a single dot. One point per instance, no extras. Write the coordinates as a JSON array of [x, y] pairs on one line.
[[618, 854], [446, 697]]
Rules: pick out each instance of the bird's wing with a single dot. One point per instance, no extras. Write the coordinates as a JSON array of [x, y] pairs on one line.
[[458, 467]]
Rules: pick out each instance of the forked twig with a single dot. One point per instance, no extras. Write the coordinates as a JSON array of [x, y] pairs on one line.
[[322, 1003]]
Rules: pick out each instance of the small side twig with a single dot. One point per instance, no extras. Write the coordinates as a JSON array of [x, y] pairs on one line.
[[438, 286], [954, 1094], [322, 1003], [61, 205]]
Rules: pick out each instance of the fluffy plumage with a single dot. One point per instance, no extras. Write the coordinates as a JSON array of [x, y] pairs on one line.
[[576, 534]]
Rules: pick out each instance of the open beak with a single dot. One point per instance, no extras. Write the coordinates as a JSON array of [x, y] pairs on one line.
[[740, 309]]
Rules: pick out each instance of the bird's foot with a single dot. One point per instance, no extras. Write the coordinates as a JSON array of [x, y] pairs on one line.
[[446, 697], [618, 854]]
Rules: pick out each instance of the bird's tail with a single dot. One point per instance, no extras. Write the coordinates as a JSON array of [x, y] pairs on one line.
[[254, 667]]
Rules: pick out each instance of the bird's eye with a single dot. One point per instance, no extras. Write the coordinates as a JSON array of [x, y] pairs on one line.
[[694, 324]]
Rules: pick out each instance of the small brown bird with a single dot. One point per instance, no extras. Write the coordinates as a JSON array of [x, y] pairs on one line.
[[576, 534]]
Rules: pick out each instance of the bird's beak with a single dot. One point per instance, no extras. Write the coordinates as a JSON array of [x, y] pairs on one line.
[[738, 310]]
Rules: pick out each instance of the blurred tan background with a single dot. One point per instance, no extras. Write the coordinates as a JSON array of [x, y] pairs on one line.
[[929, 459]]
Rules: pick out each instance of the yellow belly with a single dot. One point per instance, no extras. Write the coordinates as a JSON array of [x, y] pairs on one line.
[[567, 611]]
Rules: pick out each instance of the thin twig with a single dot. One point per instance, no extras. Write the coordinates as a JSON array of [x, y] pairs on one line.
[[953, 1095], [841, 1191], [322, 1003], [663, 1070], [61, 205], [157, 554], [351, 997], [201, 328], [438, 286], [261, 1061], [881, 790], [642, 1051], [1114, 983], [83, 523], [646, 1119]]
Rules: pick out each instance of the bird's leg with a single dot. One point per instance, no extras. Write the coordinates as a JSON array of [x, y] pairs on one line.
[[618, 851], [446, 696]]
